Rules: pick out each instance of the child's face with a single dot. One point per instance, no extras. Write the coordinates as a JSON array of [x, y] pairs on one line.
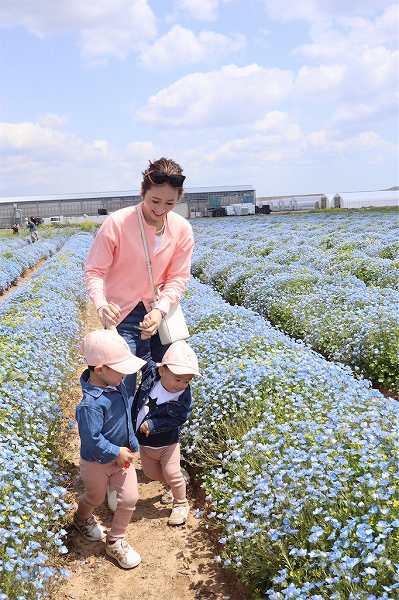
[[108, 376], [172, 382]]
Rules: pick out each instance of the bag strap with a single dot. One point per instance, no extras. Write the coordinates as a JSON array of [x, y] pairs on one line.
[[146, 253]]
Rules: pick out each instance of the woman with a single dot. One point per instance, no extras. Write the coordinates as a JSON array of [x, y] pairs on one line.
[[116, 274]]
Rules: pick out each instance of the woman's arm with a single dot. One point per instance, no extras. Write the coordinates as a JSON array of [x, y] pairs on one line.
[[178, 272], [99, 261]]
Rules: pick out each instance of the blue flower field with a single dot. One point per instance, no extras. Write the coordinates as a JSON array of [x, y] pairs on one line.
[[298, 458], [330, 280], [295, 322], [39, 329]]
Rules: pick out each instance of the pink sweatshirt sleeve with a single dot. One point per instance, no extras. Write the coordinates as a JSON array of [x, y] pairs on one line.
[[178, 273], [99, 260]]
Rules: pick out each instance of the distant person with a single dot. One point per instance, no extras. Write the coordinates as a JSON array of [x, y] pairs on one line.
[[107, 442], [32, 230], [116, 273]]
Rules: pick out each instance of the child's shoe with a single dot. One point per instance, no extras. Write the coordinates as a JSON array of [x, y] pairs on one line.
[[90, 528], [179, 514], [123, 553], [112, 499]]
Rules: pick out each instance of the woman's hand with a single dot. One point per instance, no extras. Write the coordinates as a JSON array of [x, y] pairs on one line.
[[109, 315], [150, 323]]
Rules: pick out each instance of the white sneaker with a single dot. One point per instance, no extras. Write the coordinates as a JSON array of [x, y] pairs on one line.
[[112, 499], [179, 514], [123, 553], [90, 529]]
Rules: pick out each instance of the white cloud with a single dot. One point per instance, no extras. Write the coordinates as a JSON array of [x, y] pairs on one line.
[[44, 159], [380, 67], [254, 152], [28, 136], [281, 143], [333, 142], [181, 46], [274, 154], [380, 108], [231, 95], [349, 37], [321, 11], [52, 120], [202, 10], [365, 72], [106, 27], [278, 126], [312, 80], [360, 60]]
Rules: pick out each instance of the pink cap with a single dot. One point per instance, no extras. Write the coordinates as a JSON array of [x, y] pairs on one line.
[[107, 347], [180, 359]]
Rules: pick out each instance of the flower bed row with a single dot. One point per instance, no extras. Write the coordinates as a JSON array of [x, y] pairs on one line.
[[14, 262], [38, 332], [12, 243], [337, 315], [298, 458], [362, 245]]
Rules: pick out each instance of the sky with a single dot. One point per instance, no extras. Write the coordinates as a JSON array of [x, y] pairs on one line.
[[299, 96]]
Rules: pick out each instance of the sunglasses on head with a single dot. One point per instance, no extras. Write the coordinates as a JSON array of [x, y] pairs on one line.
[[159, 178]]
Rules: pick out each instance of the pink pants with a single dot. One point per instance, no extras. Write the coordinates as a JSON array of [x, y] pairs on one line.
[[96, 477], [163, 464]]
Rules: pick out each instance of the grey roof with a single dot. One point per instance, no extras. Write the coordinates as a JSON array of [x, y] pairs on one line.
[[116, 194]]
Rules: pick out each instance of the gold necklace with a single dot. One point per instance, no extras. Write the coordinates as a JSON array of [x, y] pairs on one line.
[[161, 231]]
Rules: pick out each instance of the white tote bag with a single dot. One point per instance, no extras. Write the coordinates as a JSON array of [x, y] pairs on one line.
[[173, 326]]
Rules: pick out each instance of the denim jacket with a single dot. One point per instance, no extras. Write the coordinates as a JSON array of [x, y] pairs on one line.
[[165, 420], [104, 421]]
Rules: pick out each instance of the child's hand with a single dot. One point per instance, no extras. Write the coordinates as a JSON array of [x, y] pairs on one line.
[[144, 428], [125, 458], [150, 323]]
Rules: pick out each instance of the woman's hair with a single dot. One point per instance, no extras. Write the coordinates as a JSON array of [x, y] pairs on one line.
[[162, 165]]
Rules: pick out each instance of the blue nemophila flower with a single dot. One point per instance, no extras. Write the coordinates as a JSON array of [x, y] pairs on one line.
[[337, 291], [299, 458], [39, 346], [16, 258]]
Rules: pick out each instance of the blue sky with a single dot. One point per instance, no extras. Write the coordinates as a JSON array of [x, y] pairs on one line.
[[290, 97]]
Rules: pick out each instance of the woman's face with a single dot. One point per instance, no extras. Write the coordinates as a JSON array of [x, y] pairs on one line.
[[157, 201]]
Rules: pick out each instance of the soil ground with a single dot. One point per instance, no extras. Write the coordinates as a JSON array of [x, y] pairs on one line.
[[177, 563]]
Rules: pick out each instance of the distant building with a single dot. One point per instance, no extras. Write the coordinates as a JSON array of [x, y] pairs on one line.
[[196, 202], [293, 202], [349, 200]]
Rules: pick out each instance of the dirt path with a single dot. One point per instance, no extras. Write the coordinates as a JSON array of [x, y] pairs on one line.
[[22, 279], [177, 563]]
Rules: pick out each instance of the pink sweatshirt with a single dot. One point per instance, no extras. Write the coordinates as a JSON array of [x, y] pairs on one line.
[[116, 270]]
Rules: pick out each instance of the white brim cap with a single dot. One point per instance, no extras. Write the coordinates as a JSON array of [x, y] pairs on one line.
[[107, 347], [129, 366], [180, 359]]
